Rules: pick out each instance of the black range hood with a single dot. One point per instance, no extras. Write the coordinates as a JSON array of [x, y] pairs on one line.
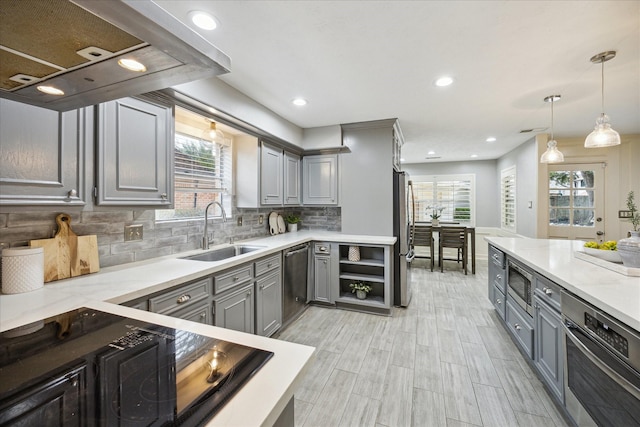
[[75, 46]]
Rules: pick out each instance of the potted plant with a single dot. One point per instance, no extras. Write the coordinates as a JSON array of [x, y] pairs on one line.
[[292, 222], [436, 213], [629, 248], [360, 289]]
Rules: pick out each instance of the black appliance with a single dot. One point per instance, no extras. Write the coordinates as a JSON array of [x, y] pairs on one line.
[[91, 368], [520, 285], [294, 289], [403, 253], [602, 366]]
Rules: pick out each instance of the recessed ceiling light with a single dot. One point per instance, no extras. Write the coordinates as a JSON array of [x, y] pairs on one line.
[[50, 90], [299, 102], [132, 65], [444, 81], [402, 160], [491, 139], [203, 20], [431, 152], [474, 156]]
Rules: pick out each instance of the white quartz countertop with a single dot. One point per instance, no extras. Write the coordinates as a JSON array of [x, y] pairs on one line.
[[264, 397], [616, 294]]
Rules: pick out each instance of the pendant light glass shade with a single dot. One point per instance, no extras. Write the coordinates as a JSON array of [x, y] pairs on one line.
[[552, 155], [603, 135], [213, 134]]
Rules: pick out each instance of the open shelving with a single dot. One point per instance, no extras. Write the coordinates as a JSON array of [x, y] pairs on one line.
[[372, 269]]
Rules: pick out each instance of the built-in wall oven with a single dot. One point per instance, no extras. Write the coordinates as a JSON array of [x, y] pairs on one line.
[[602, 367], [520, 285]]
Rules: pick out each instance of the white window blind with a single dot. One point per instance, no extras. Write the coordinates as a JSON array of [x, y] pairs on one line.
[[508, 199], [202, 174], [454, 193]]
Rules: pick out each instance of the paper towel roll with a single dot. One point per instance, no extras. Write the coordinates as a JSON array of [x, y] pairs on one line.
[[22, 269]]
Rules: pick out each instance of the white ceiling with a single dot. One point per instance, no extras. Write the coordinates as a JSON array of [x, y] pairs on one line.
[[366, 60]]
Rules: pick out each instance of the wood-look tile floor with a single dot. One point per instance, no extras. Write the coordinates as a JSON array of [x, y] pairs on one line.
[[443, 361]]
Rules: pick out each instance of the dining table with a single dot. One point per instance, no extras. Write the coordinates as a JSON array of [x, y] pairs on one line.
[[471, 235]]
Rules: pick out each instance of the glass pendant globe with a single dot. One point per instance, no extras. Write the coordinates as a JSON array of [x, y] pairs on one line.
[[213, 134], [603, 135], [552, 155]]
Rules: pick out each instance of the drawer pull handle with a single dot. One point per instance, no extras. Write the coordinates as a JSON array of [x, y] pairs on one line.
[[235, 278], [517, 327], [495, 256], [498, 301], [547, 291], [269, 265], [203, 315], [248, 294], [184, 298], [498, 276]]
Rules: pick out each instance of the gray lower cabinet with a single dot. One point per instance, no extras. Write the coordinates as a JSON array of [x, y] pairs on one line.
[[322, 278], [520, 325], [269, 303], [191, 302], [134, 153], [42, 155], [498, 300], [549, 357], [235, 310]]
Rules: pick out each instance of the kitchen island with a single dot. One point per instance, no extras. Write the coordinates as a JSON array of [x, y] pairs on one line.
[[612, 292], [265, 396]]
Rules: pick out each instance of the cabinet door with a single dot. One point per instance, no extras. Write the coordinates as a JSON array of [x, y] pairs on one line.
[[42, 154], [292, 188], [235, 310], [322, 278], [320, 180], [548, 349], [134, 154], [271, 175], [269, 303], [59, 401], [200, 313]]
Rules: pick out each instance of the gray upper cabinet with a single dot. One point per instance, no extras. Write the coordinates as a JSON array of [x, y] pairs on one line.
[[292, 190], [134, 153], [320, 180], [42, 155], [271, 174]]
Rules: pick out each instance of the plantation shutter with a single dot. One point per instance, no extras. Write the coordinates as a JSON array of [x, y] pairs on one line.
[[508, 198], [455, 193]]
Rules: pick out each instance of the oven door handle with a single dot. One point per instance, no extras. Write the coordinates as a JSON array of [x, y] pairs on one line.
[[619, 379]]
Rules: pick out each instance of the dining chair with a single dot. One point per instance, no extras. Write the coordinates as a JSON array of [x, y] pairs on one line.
[[453, 237], [423, 236]]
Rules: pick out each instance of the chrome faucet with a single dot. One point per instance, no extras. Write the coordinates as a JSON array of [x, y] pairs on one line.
[[205, 237]]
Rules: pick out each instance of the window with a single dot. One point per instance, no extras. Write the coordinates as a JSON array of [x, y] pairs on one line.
[[454, 193], [508, 199], [202, 171]]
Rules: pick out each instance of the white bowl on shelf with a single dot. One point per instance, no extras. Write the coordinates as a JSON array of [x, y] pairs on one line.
[[611, 256]]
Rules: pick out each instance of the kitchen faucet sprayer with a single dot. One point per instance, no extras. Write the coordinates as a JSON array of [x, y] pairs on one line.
[[205, 237]]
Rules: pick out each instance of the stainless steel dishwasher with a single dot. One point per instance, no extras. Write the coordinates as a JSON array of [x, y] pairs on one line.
[[294, 292]]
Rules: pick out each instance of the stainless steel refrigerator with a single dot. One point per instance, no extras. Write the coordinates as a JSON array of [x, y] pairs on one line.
[[403, 214]]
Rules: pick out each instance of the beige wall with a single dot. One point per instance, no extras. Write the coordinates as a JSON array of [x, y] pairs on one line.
[[622, 174]]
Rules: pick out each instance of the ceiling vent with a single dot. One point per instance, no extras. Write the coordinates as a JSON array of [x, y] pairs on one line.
[[533, 130], [76, 46], [433, 157]]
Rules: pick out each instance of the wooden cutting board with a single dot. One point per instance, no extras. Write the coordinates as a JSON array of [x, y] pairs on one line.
[[67, 254]]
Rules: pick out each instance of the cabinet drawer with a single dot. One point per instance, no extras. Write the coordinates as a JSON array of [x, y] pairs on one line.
[[520, 328], [231, 278], [498, 277], [267, 264], [499, 301], [548, 291], [181, 297], [322, 248], [496, 256], [200, 313]]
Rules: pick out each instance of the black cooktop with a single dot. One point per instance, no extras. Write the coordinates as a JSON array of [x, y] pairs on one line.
[[91, 368]]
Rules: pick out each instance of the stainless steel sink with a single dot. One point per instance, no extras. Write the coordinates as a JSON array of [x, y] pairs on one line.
[[223, 253]]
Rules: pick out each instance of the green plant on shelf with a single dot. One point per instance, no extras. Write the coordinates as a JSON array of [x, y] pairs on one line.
[[359, 286], [635, 215]]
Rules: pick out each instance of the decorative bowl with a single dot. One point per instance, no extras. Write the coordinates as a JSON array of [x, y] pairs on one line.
[[611, 256]]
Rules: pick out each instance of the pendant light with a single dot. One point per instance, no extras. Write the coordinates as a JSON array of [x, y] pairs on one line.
[[552, 155], [213, 134], [602, 135]]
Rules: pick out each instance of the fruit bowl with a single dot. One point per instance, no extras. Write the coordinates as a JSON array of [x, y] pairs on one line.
[[611, 256]]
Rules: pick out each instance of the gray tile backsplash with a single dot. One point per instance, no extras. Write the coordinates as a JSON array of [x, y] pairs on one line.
[[159, 238]]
